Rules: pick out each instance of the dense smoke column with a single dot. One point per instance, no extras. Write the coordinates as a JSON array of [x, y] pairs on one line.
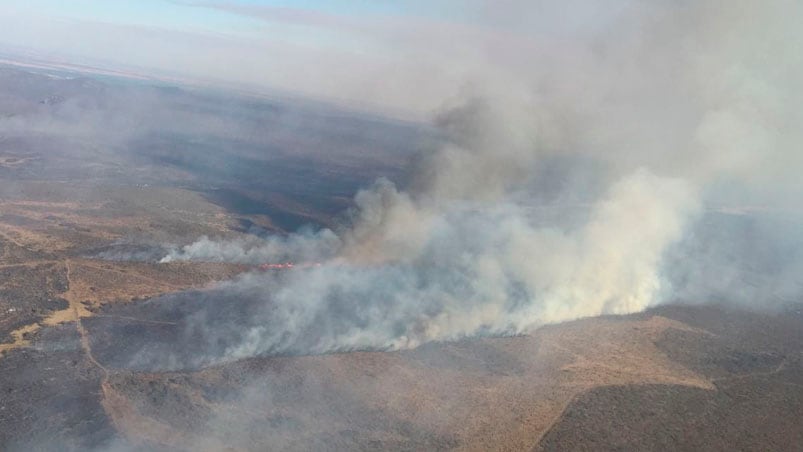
[[643, 127]]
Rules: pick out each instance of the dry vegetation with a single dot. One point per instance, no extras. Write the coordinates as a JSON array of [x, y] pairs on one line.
[[594, 384], [683, 377], [47, 272], [486, 394]]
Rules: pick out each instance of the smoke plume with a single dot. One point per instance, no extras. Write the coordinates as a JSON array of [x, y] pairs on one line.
[[578, 178]]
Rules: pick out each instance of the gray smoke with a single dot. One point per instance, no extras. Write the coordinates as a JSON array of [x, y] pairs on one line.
[[661, 116]]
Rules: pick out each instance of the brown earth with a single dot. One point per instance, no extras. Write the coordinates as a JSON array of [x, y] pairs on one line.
[[679, 377], [46, 277], [72, 205]]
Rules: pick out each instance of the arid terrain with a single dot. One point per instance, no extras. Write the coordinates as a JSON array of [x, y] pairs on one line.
[[84, 302], [684, 377]]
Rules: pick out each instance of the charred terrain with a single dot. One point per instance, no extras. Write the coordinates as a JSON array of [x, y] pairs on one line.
[[98, 352]]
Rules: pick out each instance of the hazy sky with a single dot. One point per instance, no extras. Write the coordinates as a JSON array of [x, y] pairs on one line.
[[367, 52]]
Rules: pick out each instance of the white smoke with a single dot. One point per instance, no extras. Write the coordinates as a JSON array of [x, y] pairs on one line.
[[667, 103], [303, 246], [470, 269], [412, 271]]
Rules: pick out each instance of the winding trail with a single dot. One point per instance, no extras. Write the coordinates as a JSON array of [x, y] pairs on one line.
[[76, 307], [114, 404], [118, 408]]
